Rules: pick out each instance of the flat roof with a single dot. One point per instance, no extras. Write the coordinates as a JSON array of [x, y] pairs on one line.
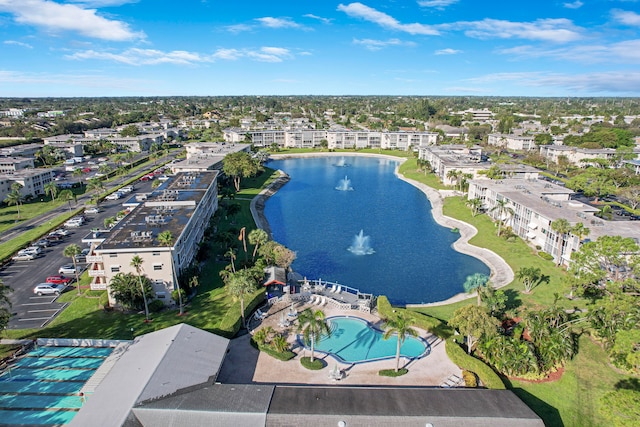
[[168, 208]]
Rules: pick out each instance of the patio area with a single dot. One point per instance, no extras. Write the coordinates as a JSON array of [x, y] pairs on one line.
[[244, 364]]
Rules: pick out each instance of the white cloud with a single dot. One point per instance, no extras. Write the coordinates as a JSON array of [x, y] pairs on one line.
[[551, 30], [574, 5], [438, 4], [271, 22], [53, 16], [359, 10], [238, 28], [53, 80], [374, 45], [626, 17], [17, 43], [319, 18], [622, 52], [447, 51], [623, 82], [140, 57], [102, 3]]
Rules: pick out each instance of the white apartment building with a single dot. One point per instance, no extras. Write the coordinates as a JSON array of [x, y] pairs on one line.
[[182, 205], [202, 156], [532, 205], [336, 139], [22, 150], [454, 157], [10, 165], [512, 142], [576, 156], [32, 181]]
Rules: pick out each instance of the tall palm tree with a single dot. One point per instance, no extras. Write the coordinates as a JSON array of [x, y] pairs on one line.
[[70, 252], [475, 204], [580, 231], [51, 188], [257, 237], [313, 325], [454, 175], [231, 254], [476, 282], [165, 238], [238, 285], [66, 196], [503, 209], [136, 262], [561, 226], [14, 198], [401, 327], [95, 185], [77, 172], [528, 275]]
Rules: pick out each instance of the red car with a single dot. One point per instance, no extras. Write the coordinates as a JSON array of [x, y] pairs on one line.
[[58, 280], [86, 170]]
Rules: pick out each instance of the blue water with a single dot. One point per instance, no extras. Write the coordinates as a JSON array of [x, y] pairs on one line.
[[412, 259], [42, 387], [352, 340]]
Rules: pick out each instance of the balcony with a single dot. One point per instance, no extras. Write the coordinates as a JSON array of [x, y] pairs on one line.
[[98, 286], [96, 273], [94, 258]]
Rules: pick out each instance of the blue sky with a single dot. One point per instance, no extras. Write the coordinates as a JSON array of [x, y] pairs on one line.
[[311, 47]]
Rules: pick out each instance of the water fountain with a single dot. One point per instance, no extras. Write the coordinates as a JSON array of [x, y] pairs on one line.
[[344, 184], [361, 245], [341, 163]]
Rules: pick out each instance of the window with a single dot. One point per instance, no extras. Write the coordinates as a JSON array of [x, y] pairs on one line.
[[115, 269], [157, 267], [161, 295], [113, 255], [155, 253]]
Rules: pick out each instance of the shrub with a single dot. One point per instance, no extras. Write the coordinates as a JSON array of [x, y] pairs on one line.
[[156, 306], [392, 372], [470, 379], [458, 356], [545, 256], [316, 365]]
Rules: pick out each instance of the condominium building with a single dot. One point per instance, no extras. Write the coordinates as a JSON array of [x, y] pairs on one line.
[[580, 156], [22, 150], [32, 181], [182, 206], [455, 157], [532, 205], [202, 156], [335, 139], [512, 142], [10, 165]]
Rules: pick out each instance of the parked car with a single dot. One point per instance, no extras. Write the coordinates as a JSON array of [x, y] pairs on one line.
[[91, 210], [48, 289], [163, 178], [82, 257], [42, 243], [73, 223], [34, 250], [59, 279], [61, 232], [67, 269], [23, 257], [54, 238]]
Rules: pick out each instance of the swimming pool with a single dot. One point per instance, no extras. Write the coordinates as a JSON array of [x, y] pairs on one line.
[[43, 387], [354, 340]]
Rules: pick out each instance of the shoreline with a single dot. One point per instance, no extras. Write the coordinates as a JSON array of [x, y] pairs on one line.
[[501, 273]]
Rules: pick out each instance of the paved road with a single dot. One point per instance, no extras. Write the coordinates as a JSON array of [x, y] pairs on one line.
[[32, 311]]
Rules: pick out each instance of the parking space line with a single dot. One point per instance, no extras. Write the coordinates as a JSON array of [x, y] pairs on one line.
[[38, 311], [33, 319], [37, 303]]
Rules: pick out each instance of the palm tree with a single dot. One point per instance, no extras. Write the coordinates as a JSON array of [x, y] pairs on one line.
[[561, 226], [476, 282], [70, 252], [165, 238], [238, 285], [528, 275], [503, 209], [313, 325], [475, 204], [401, 327], [454, 175], [66, 196], [257, 237], [580, 231], [231, 254], [14, 198], [77, 172], [136, 262], [51, 188], [96, 185]]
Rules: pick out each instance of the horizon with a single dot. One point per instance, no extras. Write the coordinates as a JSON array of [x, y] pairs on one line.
[[425, 48]]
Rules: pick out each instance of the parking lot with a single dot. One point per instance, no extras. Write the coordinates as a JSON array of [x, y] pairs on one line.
[[30, 310]]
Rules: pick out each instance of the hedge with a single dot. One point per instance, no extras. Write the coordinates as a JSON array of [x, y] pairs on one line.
[[284, 355], [467, 362], [231, 322]]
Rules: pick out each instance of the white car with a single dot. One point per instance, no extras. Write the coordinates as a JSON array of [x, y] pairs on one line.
[[23, 257], [48, 289], [67, 270], [91, 210], [163, 178], [73, 223], [113, 196]]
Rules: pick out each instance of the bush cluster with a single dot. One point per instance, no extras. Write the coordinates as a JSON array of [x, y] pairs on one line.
[[458, 356], [316, 365]]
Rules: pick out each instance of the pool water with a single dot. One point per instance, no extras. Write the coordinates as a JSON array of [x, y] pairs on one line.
[[42, 388], [354, 340]]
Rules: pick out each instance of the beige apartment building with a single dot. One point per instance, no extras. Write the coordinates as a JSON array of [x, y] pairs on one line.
[[454, 157], [32, 181], [183, 206], [512, 142]]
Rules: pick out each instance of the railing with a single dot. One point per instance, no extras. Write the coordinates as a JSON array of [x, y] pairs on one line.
[[94, 258], [96, 273], [98, 286]]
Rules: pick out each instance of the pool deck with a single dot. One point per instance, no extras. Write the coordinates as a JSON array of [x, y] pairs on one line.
[[246, 365]]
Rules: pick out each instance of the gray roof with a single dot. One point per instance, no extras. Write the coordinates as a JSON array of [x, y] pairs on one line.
[[155, 365]]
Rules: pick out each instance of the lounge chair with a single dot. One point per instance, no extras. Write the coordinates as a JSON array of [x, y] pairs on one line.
[[333, 288], [312, 300], [339, 290], [324, 302]]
